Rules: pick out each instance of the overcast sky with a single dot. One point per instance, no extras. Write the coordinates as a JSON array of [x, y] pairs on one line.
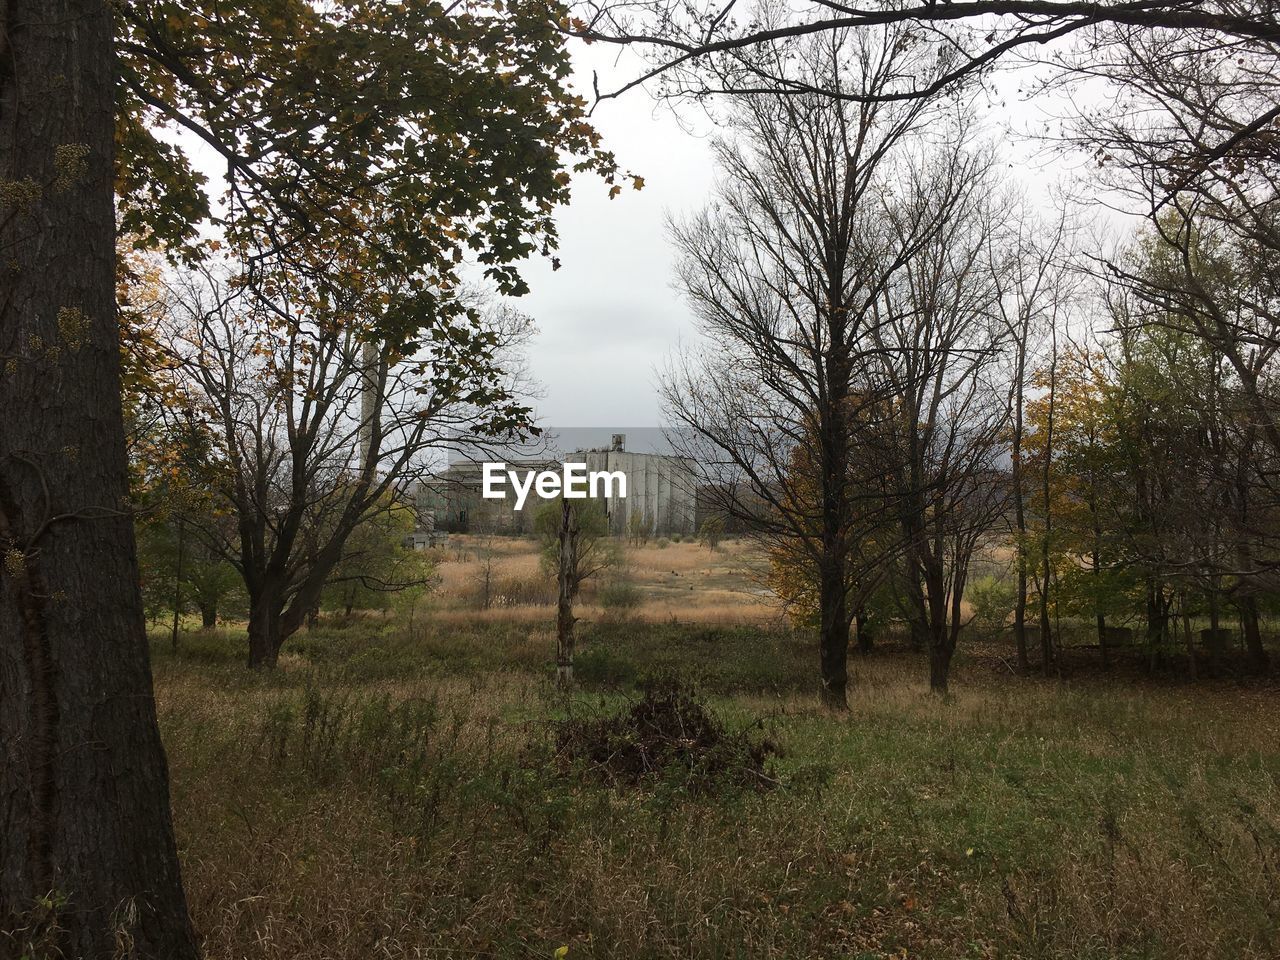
[[609, 316]]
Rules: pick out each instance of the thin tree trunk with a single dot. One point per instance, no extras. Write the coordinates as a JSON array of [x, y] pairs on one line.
[[1215, 630], [1020, 617], [1046, 629], [833, 635], [1188, 640], [1019, 509], [918, 633], [1096, 561], [1047, 659], [942, 639], [866, 642], [565, 582], [1247, 602], [84, 821], [1258, 660], [1157, 622], [177, 593]]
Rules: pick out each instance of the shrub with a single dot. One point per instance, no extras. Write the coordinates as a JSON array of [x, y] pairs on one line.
[[992, 600], [711, 532], [618, 597], [600, 665]]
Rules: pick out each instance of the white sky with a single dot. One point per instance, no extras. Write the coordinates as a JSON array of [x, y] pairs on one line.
[[609, 316]]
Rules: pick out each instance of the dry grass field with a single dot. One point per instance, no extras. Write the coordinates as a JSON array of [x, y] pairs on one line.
[[405, 791], [682, 580]]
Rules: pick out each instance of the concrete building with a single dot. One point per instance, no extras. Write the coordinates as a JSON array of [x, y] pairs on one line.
[[660, 493]]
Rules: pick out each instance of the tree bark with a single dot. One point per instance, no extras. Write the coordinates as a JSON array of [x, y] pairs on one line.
[[265, 633], [1020, 618], [177, 592], [862, 627], [567, 590], [208, 614], [1157, 625], [85, 819], [1188, 640], [937, 626], [940, 654], [1047, 658], [1257, 653], [1046, 628], [1096, 562], [1019, 506], [1215, 630], [833, 635]]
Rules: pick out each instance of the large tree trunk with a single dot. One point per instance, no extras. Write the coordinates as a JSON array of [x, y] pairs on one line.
[[265, 632], [85, 818], [208, 614], [940, 653]]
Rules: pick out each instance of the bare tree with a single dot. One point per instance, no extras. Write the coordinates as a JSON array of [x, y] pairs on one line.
[[785, 272], [695, 48], [1029, 285], [943, 351], [316, 425]]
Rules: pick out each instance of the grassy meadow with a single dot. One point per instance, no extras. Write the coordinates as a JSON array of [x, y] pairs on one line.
[[399, 790]]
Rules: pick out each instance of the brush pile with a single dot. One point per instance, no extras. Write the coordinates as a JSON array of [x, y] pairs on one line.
[[666, 735]]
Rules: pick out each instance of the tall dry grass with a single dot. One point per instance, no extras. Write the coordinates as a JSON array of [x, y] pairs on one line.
[[393, 796], [684, 581]]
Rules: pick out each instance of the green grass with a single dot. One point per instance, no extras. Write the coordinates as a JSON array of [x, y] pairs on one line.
[[387, 795]]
